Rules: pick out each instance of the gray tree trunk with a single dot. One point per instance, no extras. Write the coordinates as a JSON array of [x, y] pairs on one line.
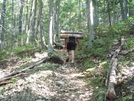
[[34, 22], [131, 10], [57, 17], [29, 25], [108, 11], [38, 29], [114, 14], [20, 21], [87, 14], [50, 45], [126, 7], [2, 27], [96, 18], [122, 10], [91, 22]]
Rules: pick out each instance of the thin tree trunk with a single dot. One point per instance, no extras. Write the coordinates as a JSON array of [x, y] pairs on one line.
[[108, 11], [3, 24], [87, 14], [13, 31], [131, 10], [126, 8], [122, 10], [96, 19], [34, 21], [20, 21], [79, 17], [114, 14], [57, 17], [91, 22], [29, 26], [50, 45], [27, 20], [38, 30]]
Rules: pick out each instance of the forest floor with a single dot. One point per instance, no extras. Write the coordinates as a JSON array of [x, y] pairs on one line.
[[46, 82], [49, 82]]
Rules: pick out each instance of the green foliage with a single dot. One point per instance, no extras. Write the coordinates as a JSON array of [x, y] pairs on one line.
[[129, 97], [14, 80], [99, 89], [1, 90], [88, 64], [129, 43], [27, 50], [3, 54]]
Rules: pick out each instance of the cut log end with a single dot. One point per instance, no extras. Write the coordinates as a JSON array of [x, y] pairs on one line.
[[111, 95]]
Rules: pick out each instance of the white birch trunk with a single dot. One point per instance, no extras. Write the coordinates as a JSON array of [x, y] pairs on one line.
[[91, 21], [50, 45]]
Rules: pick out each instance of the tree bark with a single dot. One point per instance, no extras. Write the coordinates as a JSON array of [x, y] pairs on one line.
[[50, 45], [57, 18], [20, 17], [96, 18], [108, 11], [91, 27], [29, 26], [122, 10], [2, 24], [33, 38], [131, 10], [38, 30], [111, 80]]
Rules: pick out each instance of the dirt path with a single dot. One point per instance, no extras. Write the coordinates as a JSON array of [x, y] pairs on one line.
[[45, 83]]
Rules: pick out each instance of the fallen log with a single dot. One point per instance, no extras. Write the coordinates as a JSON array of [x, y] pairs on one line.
[[29, 67], [53, 59], [5, 82], [8, 78], [111, 78], [124, 52]]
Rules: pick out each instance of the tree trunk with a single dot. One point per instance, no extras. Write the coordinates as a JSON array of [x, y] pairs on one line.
[[96, 18], [38, 30], [114, 14], [111, 80], [3, 24], [50, 45], [131, 10], [122, 10], [91, 27], [108, 11], [34, 22], [20, 20], [126, 7], [57, 18], [26, 21], [29, 26], [79, 17], [13, 31]]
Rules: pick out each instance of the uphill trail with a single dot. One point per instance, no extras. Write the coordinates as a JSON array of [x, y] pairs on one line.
[[48, 83]]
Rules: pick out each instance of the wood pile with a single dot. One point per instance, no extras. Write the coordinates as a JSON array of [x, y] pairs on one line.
[[66, 34]]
